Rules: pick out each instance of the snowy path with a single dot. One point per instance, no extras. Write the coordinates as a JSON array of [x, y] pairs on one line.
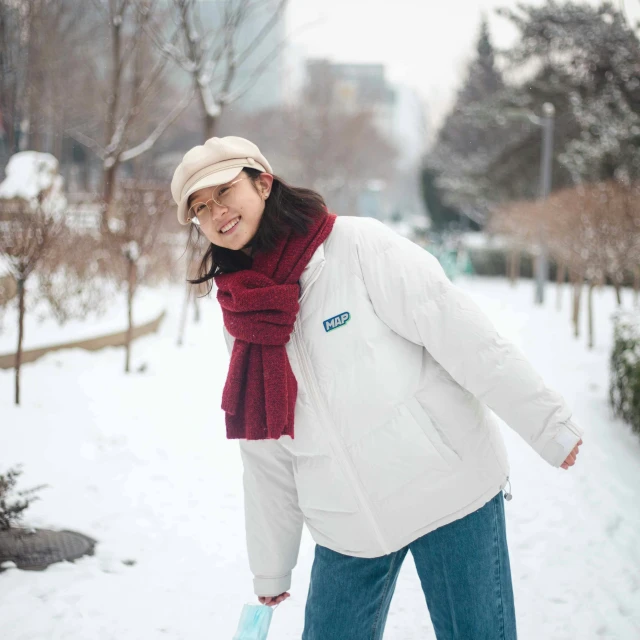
[[142, 464]]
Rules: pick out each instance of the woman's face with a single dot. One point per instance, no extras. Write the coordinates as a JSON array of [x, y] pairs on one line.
[[234, 223]]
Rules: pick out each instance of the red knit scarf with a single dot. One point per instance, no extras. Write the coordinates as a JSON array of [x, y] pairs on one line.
[[259, 308]]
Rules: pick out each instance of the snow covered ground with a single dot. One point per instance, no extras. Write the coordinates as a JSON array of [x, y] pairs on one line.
[[142, 464], [42, 330]]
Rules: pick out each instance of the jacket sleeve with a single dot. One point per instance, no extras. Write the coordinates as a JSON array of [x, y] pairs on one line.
[[273, 520], [412, 295]]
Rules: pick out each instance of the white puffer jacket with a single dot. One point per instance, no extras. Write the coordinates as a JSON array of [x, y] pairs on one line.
[[397, 372]]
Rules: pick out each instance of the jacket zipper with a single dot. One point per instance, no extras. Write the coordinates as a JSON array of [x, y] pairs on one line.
[[338, 445], [507, 493], [314, 276]]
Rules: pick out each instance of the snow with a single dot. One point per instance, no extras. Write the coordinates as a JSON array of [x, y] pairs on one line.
[[141, 463], [211, 106], [132, 251], [402, 227], [38, 332], [5, 267], [115, 225], [152, 138], [479, 240], [30, 174], [408, 225]]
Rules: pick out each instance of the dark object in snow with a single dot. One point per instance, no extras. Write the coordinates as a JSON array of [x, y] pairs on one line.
[[36, 549]]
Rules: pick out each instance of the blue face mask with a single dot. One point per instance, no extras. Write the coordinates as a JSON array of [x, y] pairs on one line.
[[255, 620]]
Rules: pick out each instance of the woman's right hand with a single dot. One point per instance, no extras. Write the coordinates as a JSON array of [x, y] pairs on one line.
[[272, 602], [571, 458]]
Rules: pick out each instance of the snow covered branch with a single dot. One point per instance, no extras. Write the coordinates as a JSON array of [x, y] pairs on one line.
[[147, 144]]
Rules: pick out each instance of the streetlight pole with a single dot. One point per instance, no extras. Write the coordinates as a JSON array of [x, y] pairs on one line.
[[546, 123], [546, 163]]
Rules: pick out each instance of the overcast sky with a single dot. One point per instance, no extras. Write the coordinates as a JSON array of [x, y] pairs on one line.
[[423, 43]]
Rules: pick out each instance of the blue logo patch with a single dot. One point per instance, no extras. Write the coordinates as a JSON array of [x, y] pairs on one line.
[[337, 321]]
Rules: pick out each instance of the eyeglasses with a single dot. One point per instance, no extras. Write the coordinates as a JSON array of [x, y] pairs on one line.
[[222, 199]]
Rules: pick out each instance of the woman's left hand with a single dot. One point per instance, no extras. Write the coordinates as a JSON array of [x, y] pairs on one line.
[[571, 458]]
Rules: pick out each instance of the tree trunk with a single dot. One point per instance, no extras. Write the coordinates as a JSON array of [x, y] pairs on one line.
[[577, 291], [561, 278], [618, 294], [183, 316], [636, 285], [21, 296], [514, 266], [210, 125], [109, 173], [58, 143], [131, 286], [108, 189], [590, 312]]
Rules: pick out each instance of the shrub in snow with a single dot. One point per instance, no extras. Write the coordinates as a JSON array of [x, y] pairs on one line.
[[14, 503], [8, 288], [624, 390], [31, 223], [42, 262]]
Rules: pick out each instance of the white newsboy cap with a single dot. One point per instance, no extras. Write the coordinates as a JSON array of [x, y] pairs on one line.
[[215, 162]]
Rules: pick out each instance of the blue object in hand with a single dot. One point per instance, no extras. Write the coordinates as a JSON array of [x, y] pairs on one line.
[[255, 620]]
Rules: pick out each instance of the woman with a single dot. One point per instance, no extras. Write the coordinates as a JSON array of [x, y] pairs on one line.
[[359, 387]]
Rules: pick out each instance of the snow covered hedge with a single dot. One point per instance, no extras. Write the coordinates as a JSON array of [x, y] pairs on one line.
[[624, 389]]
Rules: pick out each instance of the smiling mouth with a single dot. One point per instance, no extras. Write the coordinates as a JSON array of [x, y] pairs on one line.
[[231, 225]]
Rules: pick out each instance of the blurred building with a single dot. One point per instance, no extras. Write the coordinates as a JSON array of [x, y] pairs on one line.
[[398, 115], [352, 87], [409, 131]]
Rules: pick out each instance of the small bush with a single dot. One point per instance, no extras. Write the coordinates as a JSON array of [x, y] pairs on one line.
[[624, 390], [14, 503]]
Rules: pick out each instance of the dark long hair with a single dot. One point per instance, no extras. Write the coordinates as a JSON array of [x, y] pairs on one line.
[[287, 208]]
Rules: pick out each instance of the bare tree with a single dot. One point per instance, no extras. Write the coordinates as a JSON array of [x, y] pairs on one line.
[[71, 281], [593, 232], [39, 90], [214, 58], [12, 65], [29, 229], [133, 242], [136, 112], [514, 220]]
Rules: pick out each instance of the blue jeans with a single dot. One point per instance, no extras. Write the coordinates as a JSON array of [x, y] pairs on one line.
[[464, 571]]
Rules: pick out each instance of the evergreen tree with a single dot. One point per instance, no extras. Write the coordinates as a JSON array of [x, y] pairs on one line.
[[585, 60], [460, 133], [442, 216], [483, 78], [598, 53], [463, 142]]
